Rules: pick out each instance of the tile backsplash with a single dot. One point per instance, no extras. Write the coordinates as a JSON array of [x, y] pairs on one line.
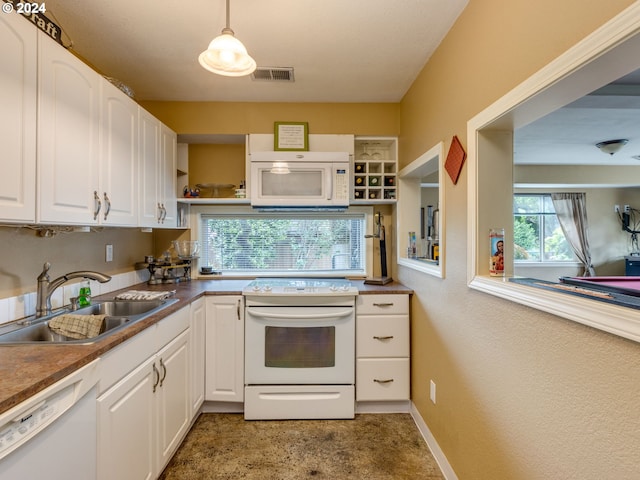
[[14, 308]]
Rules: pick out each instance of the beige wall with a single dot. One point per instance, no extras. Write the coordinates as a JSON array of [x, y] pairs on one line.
[[243, 118], [520, 394], [24, 253], [221, 164]]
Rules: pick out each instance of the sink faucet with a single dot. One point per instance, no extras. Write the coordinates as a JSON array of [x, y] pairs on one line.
[[46, 287]]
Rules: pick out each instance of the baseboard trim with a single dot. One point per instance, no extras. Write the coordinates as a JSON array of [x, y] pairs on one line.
[[401, 406], [222, 407], [436, 451]]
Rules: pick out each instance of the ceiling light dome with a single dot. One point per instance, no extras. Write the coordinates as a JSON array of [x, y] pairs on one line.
[[227, 55], [612, 146]]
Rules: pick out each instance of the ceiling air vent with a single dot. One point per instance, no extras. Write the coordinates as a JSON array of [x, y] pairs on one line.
[[273, 74]]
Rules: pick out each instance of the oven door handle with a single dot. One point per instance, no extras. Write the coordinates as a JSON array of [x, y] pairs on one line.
[[309, 316]]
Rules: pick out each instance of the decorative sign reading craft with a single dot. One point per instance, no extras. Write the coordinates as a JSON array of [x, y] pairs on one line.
[[455, 159], [291, 136]]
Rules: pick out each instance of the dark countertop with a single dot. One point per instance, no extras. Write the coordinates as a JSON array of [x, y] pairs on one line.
[[27, 369]]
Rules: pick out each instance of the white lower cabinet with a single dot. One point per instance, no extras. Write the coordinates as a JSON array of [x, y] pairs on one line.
[[225, 348], [197, 333], [382, 347], [143, 416]]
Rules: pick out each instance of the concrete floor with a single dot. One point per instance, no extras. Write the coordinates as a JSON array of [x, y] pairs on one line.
[[372, 446]]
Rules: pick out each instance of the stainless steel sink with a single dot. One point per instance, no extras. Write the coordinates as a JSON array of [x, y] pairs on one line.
[[122, 308], [120, 313]]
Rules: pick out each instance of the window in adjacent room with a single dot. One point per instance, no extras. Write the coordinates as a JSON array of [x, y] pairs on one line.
[[537, 235], [284, 243]]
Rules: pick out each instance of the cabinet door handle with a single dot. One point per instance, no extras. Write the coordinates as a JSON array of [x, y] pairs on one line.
[[164, 212], [389, 380], [156, 374], [107, 205], [164, 372], [383, 304], [159, 218], [238, 309], [386, 337], [97, 204]]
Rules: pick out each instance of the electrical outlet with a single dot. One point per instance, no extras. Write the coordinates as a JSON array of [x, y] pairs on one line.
[[432, 391], [616, 208], [627, 208], [109, 253]]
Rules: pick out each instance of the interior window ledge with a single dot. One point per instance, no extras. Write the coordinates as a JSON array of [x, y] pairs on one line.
[[546, 264], [615, 319], [424, 267]]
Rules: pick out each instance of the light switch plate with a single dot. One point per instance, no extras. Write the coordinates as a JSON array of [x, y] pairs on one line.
[[109, 253]]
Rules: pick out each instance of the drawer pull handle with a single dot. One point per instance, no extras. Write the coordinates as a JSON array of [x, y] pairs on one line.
[[384, 304], [383, 381], [387, 337]]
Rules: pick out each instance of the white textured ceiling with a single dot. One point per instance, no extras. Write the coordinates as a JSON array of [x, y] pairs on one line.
[[568, 135], [341, 50]]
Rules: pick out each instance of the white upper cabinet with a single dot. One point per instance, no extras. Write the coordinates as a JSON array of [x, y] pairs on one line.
[[168, 180], [18, 119], [68, 138], [149, 212], [157, 182], [88, 144], [119, 157]]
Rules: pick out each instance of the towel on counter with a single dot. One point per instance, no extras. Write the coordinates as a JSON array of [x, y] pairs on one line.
[[144, 295], [77, 326]]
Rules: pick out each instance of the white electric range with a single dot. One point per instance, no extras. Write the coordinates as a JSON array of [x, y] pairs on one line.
[[299, 348]]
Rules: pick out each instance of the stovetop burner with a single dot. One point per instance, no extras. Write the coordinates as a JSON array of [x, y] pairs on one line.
[[300, 286]]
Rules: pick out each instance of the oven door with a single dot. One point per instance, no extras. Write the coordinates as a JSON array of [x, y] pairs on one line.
[[299, 345]]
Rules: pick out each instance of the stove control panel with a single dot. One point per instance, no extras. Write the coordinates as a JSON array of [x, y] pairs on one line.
[[281, 286]]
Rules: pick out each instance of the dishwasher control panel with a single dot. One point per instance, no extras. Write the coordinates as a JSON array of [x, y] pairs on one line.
[[31, 421]]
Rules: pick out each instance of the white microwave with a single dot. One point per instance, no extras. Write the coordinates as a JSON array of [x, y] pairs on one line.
[[299, 179]]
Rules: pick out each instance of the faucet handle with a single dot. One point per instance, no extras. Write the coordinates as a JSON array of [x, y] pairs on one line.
[[45, 272]]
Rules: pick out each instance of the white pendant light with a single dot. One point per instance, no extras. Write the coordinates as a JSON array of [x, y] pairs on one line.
[[227, 55]]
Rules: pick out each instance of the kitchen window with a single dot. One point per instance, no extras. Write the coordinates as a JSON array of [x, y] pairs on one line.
[[283, 243], [537, 235]]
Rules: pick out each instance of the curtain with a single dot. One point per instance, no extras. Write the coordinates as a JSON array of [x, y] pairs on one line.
[[571, 209]]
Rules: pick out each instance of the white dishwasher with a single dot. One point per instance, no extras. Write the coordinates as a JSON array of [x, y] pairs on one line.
[[52, 435]]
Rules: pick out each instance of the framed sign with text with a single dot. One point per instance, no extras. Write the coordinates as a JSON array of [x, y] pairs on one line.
[[291, 136]]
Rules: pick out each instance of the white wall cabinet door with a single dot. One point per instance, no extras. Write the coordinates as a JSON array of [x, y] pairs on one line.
[[126, 427], [68, 137], [225, 348], [167, 178], [149, 213], [157, 183], [18, 70], [197, 349], [173, 397], [119, 158]]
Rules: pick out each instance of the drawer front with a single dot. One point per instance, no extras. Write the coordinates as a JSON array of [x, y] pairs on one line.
[[382, 379], [382, 304], [382, 336]]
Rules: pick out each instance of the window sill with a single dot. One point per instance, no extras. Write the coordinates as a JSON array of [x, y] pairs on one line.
[[426, 266], [517, 264], [615, 319]]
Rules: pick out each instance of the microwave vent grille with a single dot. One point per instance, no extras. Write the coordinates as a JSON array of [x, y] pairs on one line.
[[273, 74]]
